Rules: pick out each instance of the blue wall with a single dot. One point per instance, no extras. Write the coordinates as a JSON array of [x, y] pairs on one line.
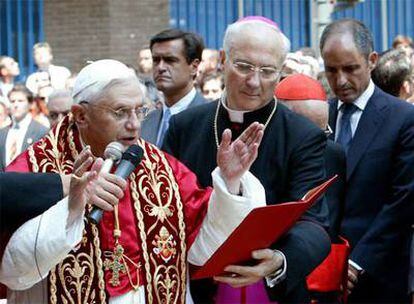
[[210, 18], [368, 12], [21, 26]]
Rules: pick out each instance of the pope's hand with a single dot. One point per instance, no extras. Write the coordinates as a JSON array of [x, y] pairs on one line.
[[101, 189], [235, 158]]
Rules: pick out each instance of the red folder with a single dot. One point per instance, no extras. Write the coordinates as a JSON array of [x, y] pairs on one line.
[[260, 228]]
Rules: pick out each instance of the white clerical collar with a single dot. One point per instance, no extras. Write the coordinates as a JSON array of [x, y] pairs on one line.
[[25, 122], [362, 100], [182, 104], [236, 116]]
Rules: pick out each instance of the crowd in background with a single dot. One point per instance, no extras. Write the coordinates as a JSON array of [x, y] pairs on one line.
[[29, 110], [48, 89]]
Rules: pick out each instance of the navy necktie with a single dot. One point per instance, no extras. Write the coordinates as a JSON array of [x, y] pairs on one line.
[[345, 134], [164, 126]]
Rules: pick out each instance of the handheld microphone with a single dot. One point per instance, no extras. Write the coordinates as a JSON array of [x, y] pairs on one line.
[[113, 153], [129, 161]]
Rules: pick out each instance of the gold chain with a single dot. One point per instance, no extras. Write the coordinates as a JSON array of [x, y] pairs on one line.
[[119, 256], [222, 100]]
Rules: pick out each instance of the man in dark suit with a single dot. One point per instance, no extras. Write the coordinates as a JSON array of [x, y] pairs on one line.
[[176, 56], [411, 277], [24, 130], [22, 197], [377, 133], [289, 162]]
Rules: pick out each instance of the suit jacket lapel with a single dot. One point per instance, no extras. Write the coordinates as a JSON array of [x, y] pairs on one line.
[[367, 128], [154, 127], [3, 136], [31, 133], [197, 100], [333, 114]]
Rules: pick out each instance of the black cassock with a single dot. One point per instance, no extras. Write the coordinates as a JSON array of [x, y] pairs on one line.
[[290, 162]]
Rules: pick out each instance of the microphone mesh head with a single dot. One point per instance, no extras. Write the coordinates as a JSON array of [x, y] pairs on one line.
[[133, 154], [114, 150]]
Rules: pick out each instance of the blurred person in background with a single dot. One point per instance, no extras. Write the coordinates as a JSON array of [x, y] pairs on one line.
[[9, 69], [38, 107], [394, 74], [59, 105], [70, 82], [47, 73], [210, 59], [24, 130], [212, 86], [296, 63], [404, 43], [307, 51], [4, 116], [153, 96], [144, 62]]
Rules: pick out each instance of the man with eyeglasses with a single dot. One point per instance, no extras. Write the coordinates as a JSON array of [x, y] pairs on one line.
[[176, 56], [138, 253], [290, 162], [58, 105]]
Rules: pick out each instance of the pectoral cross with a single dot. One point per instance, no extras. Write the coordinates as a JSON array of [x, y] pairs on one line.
[[115, 264]]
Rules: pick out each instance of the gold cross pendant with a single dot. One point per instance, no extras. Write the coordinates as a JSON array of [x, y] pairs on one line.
[[115, 264]]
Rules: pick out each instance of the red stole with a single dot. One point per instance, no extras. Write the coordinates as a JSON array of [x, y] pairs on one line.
[[151, 219]]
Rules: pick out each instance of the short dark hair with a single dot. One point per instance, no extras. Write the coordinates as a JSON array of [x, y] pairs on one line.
[[393, 68], [20, 87], [360, 33], [193, 43]]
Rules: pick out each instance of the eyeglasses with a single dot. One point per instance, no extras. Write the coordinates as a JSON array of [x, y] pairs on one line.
[[244, 68], [122, 113]]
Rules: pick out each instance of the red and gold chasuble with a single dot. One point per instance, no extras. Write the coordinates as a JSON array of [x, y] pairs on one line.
[[157, 227]]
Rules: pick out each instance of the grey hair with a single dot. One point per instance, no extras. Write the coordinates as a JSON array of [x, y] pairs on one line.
[[236, 28]]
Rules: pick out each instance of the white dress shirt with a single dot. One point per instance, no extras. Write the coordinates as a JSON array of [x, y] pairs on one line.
[[17, 135], [178, 107], [26, 279], [360, 103]]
